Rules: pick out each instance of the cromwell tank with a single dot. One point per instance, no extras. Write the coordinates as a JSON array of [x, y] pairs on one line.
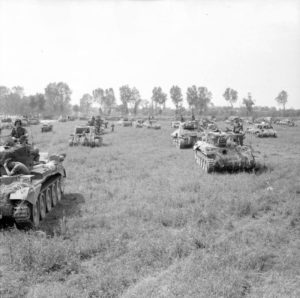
[[28, 198], [221, 151], [186, 135]]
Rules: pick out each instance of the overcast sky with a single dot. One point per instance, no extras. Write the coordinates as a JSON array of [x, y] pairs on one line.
[[251, 46]]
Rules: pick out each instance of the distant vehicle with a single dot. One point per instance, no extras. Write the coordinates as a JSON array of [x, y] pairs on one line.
[[71, 118], [175, 124], [46, 127], [6, 120], [152, 124], [138, 123], [62, 119], [285, 122], [125, 122], [186, 135], [232, 119], [262, 130], [85, 136], [33, 121]]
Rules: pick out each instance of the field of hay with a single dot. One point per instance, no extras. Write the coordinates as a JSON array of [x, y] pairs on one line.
[[140, 219]]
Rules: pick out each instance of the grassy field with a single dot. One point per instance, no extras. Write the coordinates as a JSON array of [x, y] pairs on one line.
[[140, 219]]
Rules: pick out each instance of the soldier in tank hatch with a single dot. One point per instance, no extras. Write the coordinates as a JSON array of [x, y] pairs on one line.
[[18, 133]]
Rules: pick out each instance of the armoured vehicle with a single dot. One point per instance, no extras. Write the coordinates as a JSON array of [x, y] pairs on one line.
[[33, 121], [138, 123], [286, 122], [125, 122], [152, 124], [28, 198], [186, 135], [221, 151], [86, 136], [46, 127], [262, 130], [62, 119], [175, 124]]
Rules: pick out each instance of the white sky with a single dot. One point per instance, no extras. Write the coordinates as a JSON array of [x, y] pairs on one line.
[[246, 45]]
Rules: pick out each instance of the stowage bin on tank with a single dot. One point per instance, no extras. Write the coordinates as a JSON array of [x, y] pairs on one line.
[[28, 198]]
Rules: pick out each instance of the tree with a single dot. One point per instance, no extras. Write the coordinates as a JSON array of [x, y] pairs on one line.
[[58, 96], [76, 108], [109, 100], [37, 103], [249, 103], [159, 97], [176, 96], [135, 99], [125, 96], [231, 96], [192, 97], [282, 98], [18, 90], [198, 98], [86, 103], [204, 98], [98, 95]]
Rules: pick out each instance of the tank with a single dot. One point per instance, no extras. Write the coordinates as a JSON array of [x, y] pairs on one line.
[[286, 122], [27, 199], [262, 130], [86, 136], [186, 135], [46, 127], [217, 151], [152, 124], [138, 123]]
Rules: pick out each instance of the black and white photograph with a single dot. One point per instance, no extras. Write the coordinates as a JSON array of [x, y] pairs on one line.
[[149, 149]]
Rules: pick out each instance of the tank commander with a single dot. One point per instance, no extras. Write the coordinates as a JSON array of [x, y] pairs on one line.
[[237, 127], [19, 133], [13, 168]]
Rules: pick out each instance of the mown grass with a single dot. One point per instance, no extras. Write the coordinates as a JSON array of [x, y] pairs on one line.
[[151, 224]]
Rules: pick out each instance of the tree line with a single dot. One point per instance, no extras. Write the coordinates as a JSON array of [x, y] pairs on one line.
[[57, 96]]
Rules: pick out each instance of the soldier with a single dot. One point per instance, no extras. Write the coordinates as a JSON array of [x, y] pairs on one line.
[[15, 168], [181, 118], [98, 123], [92, 121], [18, 132], [193, 117], [112, 127]]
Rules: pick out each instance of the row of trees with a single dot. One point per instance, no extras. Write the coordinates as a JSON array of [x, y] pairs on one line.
[[57, 96], [231, 96], [55, 100]]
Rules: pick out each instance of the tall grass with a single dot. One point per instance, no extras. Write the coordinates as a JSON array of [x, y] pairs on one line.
[[143, 220]]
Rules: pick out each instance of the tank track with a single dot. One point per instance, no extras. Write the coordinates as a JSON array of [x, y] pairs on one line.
[[50, 194], [207, 164]]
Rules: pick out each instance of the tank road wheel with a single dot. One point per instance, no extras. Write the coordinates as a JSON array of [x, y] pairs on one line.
[[48, 199], [58, 190], [54, 195], [35, 214], [42, 205]]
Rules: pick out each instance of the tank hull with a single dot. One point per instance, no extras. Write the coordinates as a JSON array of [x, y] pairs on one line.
[[27, 199]]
